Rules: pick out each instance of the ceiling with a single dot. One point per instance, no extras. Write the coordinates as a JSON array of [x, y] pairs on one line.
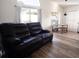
[[69, 2]]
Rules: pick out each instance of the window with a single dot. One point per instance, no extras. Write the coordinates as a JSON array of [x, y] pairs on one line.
[[29, 15], [29, 10], [34, 15]]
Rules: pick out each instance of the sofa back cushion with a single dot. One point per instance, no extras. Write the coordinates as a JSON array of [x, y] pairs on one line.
[[17, 30], [6, 30], [21, 30], [12, 34], [34, 28]]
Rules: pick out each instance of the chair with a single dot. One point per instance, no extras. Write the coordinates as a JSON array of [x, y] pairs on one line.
[[63, 28]]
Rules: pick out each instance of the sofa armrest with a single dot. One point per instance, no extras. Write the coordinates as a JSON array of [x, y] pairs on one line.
[[45, 31]]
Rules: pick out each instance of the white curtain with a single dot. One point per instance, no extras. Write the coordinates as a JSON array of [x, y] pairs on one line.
[[72, 19]]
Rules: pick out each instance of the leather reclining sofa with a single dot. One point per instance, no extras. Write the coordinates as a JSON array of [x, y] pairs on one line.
[[21, 40]]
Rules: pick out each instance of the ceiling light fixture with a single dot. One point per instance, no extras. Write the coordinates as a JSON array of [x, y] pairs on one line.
[[65, 14], [66, 0]]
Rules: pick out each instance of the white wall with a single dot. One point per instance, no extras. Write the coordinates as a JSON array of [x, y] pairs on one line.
[[61, 12], [47, 7], [7, 11], [46, 12]]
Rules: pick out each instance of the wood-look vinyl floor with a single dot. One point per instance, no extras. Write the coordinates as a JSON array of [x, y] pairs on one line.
[[64, 45]]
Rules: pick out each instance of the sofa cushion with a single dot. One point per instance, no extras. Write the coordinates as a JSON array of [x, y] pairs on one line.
[[21, 30], [11, 41], [29, 41], [15, 30], [6, 30], [34, 28]]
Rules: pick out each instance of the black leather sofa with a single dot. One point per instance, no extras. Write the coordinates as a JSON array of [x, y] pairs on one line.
[[20, 40]]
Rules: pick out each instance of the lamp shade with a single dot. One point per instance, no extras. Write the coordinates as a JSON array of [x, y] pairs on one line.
[[65, 14]]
